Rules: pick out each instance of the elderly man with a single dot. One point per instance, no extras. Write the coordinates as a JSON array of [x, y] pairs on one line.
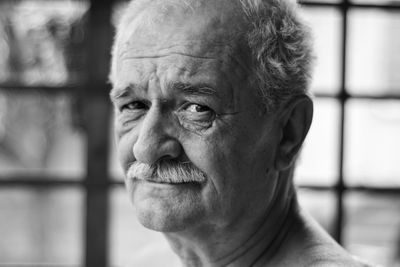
[[211, 111]]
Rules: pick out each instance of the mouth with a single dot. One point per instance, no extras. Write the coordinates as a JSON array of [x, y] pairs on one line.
[[166, 182], [163, 184]]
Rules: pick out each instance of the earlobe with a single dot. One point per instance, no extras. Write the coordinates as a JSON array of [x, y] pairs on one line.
[[295, 121]]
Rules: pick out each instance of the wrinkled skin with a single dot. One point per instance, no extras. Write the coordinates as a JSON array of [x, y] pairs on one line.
[[223, 130], [182, 91]]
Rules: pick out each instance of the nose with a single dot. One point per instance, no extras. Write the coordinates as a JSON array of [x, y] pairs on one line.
[[155, 140]]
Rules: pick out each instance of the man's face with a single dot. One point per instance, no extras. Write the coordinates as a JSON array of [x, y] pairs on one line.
[[182, 95]]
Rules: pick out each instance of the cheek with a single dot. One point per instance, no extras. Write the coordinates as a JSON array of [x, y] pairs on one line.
[[232, 157], [212, 154], [223, 194]]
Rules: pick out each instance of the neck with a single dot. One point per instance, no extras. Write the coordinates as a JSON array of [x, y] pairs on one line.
[[249, 242]]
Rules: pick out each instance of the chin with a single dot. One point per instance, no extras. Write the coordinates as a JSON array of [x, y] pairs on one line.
[[166, 222], [167, 209]]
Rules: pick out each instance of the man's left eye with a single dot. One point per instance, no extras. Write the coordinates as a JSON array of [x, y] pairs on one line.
[[196, 117], [198, 113], [196, 108]]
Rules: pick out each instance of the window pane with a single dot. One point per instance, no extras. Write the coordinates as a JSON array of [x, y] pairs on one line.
[[41, 226], [38, 135], [321, 205], [325, 24], [372, 227], [317, 163], [373, 56], [41, 43], [372, 143], [130, 243]]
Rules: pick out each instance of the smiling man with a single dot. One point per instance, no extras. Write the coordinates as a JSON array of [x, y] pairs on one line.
[[211, 109]]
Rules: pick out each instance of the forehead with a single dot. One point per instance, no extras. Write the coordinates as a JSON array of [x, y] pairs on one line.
[[200, 30], [206, 19], [171, 68]]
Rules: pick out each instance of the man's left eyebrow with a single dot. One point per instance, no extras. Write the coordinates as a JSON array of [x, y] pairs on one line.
[[191, 89]]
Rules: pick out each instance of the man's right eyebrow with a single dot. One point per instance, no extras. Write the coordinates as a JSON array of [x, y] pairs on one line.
[[121, 92]]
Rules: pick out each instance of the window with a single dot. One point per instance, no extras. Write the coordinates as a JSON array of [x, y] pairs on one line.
[[62, 201]]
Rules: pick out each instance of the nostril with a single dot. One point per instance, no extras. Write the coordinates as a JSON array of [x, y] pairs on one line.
[[149, 152], [173, 149]]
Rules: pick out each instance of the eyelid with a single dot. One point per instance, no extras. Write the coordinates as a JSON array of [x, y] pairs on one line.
[[199, 105], [208, 114], [141, 102]]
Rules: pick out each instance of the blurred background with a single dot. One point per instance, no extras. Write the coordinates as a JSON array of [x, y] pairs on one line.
[[62, 200]]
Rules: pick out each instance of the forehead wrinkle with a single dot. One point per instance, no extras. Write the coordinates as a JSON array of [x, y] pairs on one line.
[[149, 56], [137, 50], [215, 44], [142, 54], [236, 59]]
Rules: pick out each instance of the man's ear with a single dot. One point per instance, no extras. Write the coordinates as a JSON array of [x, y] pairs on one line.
[[294, 121]]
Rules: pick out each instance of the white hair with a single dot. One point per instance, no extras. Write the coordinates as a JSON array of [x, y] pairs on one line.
[[281, 47], [279, 42]]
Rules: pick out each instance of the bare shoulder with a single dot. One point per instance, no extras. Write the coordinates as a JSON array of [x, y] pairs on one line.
[[318, 249], [328, 255], [340, 263]]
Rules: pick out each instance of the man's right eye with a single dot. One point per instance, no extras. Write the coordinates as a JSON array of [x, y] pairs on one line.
[[134, 106]]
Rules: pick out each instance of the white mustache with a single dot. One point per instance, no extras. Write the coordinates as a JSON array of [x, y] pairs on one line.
[[166, 172]]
